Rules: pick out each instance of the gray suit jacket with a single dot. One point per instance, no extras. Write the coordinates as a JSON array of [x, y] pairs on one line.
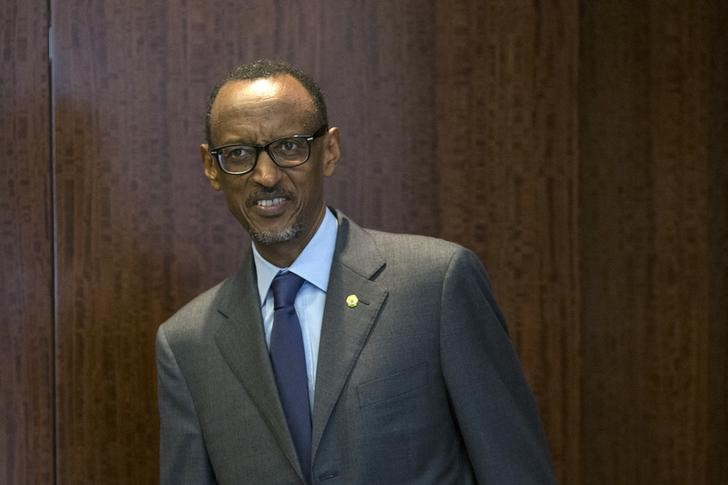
[[416, 384]]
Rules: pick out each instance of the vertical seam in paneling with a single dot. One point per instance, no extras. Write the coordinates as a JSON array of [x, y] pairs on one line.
[[573, 469], [54, 240]]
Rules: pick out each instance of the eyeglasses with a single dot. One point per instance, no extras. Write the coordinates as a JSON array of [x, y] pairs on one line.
[[288, 152]]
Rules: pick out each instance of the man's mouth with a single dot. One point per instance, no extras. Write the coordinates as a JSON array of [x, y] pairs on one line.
[[270, 202]]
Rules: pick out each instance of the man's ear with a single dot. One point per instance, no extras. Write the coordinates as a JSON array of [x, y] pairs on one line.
[[211, 171], [332, 151]]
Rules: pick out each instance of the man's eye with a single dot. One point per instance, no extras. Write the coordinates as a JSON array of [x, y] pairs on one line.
[[291, 145], [237, 153]]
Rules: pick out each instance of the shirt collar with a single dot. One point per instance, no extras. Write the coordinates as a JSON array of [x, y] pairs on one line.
[[313, 264]]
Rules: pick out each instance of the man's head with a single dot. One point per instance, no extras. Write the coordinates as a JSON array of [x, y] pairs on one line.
[[280, 206], [265, 68]]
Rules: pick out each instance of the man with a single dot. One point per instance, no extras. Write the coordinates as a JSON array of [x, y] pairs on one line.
[[336, 354]]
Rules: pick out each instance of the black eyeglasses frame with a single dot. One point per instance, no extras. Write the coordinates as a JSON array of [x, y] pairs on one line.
[[216, 151]]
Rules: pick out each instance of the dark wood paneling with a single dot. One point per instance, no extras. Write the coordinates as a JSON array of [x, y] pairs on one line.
[[378, 73], [139, 232], [717, 123], [649, 253], [506, 110], [26, 311]]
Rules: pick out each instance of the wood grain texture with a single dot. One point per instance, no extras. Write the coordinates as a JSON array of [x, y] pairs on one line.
[[26, 309], [380, 82], [507, 151], [139, 232], [717, 121], [648, 313]]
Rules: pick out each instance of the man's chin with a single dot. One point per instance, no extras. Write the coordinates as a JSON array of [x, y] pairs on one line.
[[274, 237]]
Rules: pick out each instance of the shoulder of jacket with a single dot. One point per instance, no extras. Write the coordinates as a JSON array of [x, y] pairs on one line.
[[193, 314]]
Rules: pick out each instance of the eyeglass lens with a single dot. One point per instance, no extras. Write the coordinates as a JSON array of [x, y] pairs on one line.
[[287, 152]]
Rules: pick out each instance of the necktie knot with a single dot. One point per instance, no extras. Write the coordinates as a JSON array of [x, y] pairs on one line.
[[285, 286]]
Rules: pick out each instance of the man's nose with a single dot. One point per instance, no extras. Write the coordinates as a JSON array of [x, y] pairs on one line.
[[266, 172]]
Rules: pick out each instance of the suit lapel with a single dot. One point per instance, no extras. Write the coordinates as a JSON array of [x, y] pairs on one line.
[[343, 335], [242, 344], [345, 329]]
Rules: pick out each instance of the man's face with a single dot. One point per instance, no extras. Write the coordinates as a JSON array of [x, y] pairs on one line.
[[280, 208]]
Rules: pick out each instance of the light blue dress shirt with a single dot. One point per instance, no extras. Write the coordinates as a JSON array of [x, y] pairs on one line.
[[314, 266]]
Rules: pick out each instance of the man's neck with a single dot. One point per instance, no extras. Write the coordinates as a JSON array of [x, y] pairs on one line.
[[279, 256]]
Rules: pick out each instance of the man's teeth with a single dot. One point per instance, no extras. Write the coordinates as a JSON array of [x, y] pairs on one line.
[[270, 202]]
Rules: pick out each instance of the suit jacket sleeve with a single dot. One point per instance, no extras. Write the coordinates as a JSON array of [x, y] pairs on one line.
[[494, 408], [183, 457]]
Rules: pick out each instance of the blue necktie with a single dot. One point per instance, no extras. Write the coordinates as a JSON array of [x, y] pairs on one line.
[[289, 365]]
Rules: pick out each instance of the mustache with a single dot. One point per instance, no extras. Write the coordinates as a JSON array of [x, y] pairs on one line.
[[268, 193]]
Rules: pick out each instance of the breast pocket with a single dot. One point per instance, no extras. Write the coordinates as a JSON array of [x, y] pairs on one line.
[[394, 387]]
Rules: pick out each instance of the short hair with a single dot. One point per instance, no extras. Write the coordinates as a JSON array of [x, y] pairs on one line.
[[264, 68]]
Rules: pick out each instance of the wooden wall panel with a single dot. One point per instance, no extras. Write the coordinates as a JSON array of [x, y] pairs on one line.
[[717, 121], [380, 83], [26, 309], [506, 110], [139, 234], [649, 251]]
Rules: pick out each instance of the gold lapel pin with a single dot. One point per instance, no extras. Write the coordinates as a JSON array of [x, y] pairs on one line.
[[352, 301]]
